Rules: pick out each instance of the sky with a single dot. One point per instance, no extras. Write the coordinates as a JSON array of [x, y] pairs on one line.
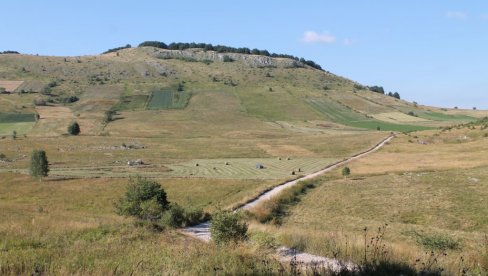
[[433, 52]]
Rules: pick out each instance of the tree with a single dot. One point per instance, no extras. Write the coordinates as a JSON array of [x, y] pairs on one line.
[[377, 89], [14, 134], [39, 166], [74, 128], [226, 227], [144, 199], [396, 95], [346, 171]]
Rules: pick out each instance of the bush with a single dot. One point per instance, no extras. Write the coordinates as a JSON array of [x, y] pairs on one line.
[[109, 116], [39, 165], [437, 241], [177, 216], [226, 227], [174, 216], [346, 171], [74, 128], [228, 59], [70, 99], [40, 102], [143, 199]]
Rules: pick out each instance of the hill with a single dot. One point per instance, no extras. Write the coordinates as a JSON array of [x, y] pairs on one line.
[[255, 89], [217, 126]]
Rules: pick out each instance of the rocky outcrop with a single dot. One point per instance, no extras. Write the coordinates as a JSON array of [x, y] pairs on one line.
[[250, 60]]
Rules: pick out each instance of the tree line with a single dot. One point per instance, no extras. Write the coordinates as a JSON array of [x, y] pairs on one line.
[[225, 49], [378, 89], [9, 52]]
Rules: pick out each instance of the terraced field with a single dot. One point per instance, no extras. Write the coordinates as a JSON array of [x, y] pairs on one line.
[[246, 168]]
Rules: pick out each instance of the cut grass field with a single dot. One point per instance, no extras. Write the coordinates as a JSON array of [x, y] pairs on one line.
[[245, 168]]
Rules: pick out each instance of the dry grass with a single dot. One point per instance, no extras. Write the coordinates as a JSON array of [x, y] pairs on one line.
[[431, 196], [70, 227], [10, 85]]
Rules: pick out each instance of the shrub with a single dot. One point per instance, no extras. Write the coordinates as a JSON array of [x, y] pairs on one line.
[[228, 59], [226, 227], [40, 102], [346, 171], [143, 199], [71, 99], [109, 116], [177, 216], [74, 128], [39, 166], [437, 241], [174, 216]]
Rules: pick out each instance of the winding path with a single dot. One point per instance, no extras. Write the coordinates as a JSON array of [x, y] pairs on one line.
[[202, 231]]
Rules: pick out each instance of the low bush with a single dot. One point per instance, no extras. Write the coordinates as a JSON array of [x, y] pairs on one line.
[[227, 227]]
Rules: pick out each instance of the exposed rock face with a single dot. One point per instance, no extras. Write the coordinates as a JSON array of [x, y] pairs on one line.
[[250, 60]]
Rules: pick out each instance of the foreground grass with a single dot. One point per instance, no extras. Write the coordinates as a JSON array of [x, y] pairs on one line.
[[70, 227], [440, 211]]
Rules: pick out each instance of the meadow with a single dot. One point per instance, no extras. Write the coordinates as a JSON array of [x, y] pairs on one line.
[[431, 197], [230, 117], [70, 227]]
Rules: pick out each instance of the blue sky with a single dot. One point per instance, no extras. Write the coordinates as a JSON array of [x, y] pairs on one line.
[[433, 52]]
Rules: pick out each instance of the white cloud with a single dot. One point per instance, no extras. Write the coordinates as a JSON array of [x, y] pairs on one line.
[[458, 15], [313, 37]]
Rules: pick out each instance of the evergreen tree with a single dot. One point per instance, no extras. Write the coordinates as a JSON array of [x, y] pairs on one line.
[[39, 166], [74, 128]]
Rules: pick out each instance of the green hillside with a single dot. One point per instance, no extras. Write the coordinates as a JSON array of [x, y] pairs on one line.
[[262, 88]]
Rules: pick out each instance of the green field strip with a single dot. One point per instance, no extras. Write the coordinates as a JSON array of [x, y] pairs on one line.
[[348, 117]]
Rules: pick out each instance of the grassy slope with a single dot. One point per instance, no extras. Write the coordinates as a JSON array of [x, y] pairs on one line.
[[232, 113], [419, 190]]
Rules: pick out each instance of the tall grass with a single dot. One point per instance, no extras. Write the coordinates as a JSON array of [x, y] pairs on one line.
[[274, 209]]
